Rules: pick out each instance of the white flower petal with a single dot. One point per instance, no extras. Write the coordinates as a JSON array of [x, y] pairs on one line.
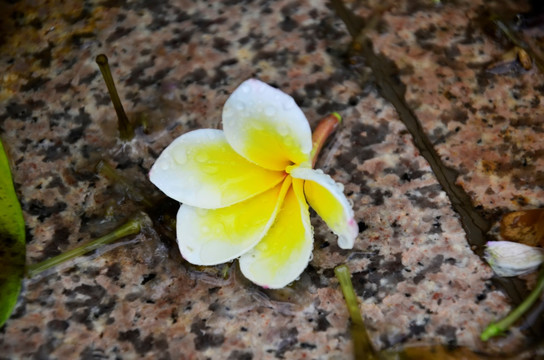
[[283, 254], [326, 197], [209, 237], [200, 169], [266, 126]]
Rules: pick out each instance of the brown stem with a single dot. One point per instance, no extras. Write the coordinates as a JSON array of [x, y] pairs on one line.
[[126, 131], [324, 129]]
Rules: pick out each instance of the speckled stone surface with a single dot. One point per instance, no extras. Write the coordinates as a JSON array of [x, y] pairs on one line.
[[175, 63]]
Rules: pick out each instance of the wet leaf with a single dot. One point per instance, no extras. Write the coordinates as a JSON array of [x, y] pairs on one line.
[[526, 227], [12, 241]]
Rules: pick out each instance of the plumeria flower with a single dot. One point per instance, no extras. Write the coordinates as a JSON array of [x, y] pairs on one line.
[[245, 190], [513, 259]]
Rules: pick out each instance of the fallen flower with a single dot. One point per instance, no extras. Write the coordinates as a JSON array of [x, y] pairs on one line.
[[512, 259], [245, 190]]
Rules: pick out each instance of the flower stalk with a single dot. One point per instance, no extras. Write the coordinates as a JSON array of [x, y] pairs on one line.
[[362, 346], [498, 328], [131, 227], [126, 131], [324, 129]]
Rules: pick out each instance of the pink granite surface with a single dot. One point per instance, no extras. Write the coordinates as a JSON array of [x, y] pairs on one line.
[[175, 62]]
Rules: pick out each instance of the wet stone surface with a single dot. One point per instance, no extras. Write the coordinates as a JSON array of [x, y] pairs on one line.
[[175, 63]]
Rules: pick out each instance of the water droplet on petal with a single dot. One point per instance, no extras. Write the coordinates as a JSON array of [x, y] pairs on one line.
[[180, 156], [202, 157], [257, 125], [270, 111], [239, 106], [164, 164], [288, 104], [210, 169], [245, 88], [227, 114], [283, 130]]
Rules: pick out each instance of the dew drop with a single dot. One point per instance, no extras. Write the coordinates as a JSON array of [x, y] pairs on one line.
[[270, 111], [288, 104], [283, 130], [202, 157], [180, 156], [164, 164], [210, 169], [257, 125], [239, 106], [227, 114], [245, 88]]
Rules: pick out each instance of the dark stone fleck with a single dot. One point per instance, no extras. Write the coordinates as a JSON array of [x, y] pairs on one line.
[[58, 325], [432, 268], [330, 106], [421, 200], [362, 226], [34, 83], [449, 332], [220, 78], [86, 80], [322, 323], [205, 24], [45, 56], [55, 152], [205, 339], [195, 76], [37, 208], [425, 34], [138, 71], [436, 228], [288, 342], [180, 38], [416, 329], [379, 195], [148, 277], [77, 39], [142, 346], [114, 271], [240, 355], [93, 293], [221, 44], [91, 353], [132, 297], [363, 135], [44, 351], [345, 161], [118, 33], [59, 240], [288, 24]]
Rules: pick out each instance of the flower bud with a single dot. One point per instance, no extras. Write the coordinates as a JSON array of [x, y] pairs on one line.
[[512, 259]]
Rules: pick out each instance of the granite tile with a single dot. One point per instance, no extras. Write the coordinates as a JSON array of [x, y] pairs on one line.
[[175, 63]]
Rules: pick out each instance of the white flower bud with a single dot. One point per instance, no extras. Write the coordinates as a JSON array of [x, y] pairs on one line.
[[513, 259]]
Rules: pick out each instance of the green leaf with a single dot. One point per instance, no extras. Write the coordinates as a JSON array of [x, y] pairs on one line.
[[12, 241]]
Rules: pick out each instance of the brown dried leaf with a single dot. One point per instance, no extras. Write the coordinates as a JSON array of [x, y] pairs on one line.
[[526, 227]]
